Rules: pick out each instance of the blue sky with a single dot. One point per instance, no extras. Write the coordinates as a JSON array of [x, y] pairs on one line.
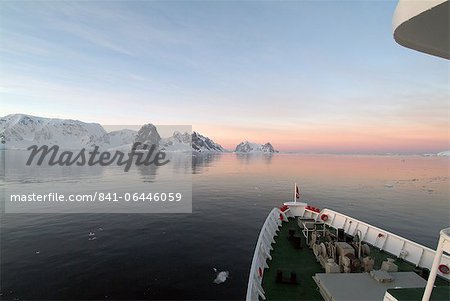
[[233, 70]]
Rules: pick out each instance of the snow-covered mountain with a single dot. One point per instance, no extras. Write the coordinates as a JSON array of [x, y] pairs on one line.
[[21, 131], [189, 142], [268, 148], [178, 142], [250, 147], [148, 134], [202, 143]]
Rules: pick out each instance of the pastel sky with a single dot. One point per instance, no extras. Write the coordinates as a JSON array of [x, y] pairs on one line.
[[311, 76]]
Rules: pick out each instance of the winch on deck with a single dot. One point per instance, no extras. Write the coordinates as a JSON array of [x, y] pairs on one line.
[[335, 253], [350, 272]]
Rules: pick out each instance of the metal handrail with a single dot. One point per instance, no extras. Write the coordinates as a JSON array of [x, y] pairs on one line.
[[262, 252]]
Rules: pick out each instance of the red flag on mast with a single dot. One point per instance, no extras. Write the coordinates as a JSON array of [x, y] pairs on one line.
[[297, 192]]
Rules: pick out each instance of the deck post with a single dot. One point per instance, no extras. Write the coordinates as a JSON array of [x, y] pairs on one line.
[[444, 243]]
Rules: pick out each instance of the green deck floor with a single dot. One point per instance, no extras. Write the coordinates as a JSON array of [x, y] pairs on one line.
[[440, 293], [286, 257], [303, 262]]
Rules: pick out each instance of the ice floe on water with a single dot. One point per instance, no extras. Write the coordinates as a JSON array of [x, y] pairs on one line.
[[221, 277], [444, 154], [92, 236]]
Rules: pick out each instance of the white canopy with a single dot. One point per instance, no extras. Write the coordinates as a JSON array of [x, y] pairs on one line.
[[423, 25]]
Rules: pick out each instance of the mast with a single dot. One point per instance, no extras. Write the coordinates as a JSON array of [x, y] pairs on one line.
[[443, 245]]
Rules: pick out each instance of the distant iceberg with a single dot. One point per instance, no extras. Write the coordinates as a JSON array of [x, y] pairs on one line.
[[444, 154]]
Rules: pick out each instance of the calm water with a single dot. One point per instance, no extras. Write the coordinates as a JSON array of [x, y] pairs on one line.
[[172, 256]]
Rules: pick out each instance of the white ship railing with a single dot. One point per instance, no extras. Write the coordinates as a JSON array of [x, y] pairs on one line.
[[398, 246], [262, 253]]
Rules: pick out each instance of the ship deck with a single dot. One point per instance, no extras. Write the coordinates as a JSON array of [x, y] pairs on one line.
[[287, 258], [415, 294]]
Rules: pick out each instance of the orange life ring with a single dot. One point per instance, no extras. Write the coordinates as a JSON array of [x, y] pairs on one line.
[[324, 217], [444, 269], [260, 271]]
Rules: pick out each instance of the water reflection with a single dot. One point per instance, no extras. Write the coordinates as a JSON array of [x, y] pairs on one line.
[[16, 170], [149, 173], [180, 162], [250, 158], [92, 181], [201, 161], [232, 196]]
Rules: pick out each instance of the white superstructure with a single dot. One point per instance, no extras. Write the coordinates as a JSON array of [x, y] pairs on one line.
[[423, 25]]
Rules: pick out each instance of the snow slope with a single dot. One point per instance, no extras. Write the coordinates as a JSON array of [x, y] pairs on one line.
[[202, 143], [121, 137], [21, 131]]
